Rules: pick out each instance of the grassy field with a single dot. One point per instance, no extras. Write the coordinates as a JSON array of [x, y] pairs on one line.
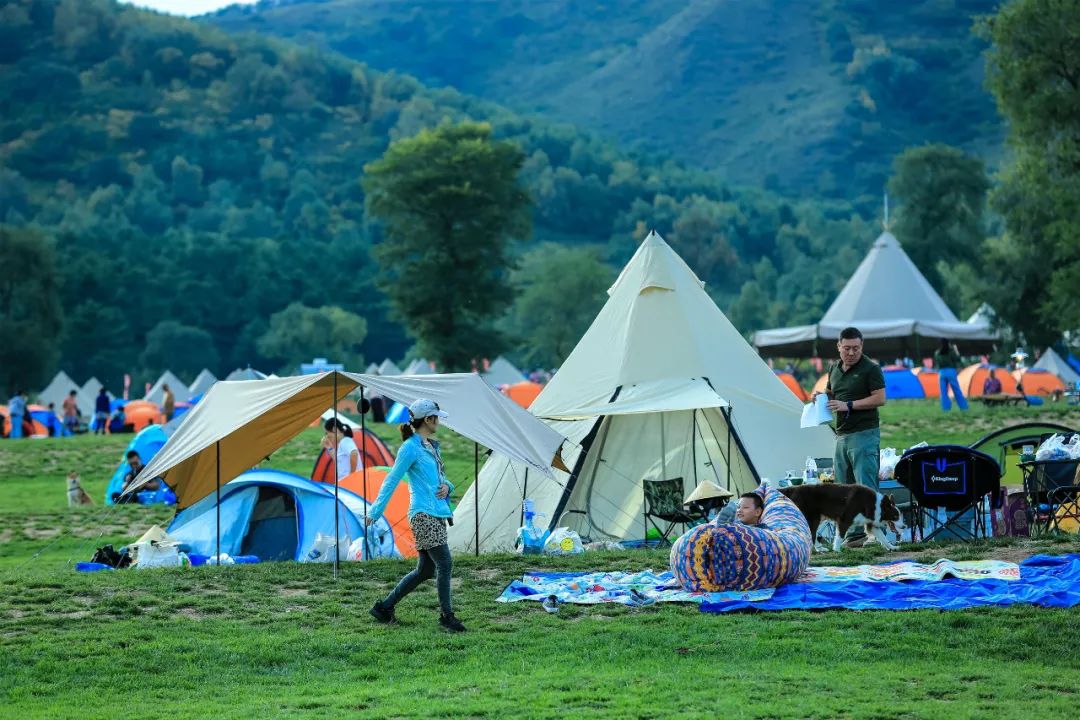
[[286, 640]]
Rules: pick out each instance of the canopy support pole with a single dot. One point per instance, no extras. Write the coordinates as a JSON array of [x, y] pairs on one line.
[[363, 468], [524, 496], [693, 442], [217, 503], [476, 493], [727, 417], [337, 531]]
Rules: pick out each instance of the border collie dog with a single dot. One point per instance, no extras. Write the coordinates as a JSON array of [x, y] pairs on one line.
[[847, 505]]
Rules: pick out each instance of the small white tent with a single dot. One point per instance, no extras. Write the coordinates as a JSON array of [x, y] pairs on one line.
[[248, 373], [503, 372], [420, 366], [179, 389], [661, 386], [389, 368], [202, 383], [91, 388], [1054, 363]]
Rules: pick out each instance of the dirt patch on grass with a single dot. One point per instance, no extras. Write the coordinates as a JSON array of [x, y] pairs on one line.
[[191, 613], [294, 592], [6, 535], [487, 573], [35, 533]]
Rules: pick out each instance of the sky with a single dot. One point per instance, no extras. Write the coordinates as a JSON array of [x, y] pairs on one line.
[[187, 7]]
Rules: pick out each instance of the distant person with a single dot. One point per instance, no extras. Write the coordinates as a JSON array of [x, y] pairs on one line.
[[168, 404], [750, 509], [53, 425], [16, 414], [101, 412], [70, 408], [947, 360], [992, 386], [347, 457], [135, 466]]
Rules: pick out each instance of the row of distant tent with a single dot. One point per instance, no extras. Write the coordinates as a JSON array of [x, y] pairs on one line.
[[500, 372]]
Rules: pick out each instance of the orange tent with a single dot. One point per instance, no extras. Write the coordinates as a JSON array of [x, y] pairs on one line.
[[141, 414], [373, 453], [397, 510], [523, 393], [1039, 382], [819, 386], [973, 377], [30, 426], [793, 385], [929, 380]]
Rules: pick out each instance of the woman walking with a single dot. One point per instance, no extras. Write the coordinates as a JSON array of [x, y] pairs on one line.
[[429, 511], [947, 359]]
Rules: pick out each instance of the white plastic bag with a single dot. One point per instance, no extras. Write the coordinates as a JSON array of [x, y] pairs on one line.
[[1055, 448], [563, 541], [322, 550], [222, 559], [887, 463], [152, 555]]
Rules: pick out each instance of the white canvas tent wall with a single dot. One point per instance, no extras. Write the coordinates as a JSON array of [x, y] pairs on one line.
[[179, 389], [647, 393], [91, 388], [59, 388], [503, 372], [202, 383], [895, 307], [1054, 363]]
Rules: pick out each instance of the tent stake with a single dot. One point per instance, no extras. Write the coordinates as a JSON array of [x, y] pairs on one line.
[[476, 493], [363, 468], [217, 452], [337, 531]]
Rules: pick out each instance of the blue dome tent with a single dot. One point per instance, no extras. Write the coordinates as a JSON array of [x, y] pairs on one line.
[[276, 515], [147, 443], [902, 384]]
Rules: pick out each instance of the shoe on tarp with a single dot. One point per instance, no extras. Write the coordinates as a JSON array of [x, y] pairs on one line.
[[551, 604]]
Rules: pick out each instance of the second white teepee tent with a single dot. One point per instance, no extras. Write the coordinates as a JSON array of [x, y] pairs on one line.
[[661, 386], [179, 389]]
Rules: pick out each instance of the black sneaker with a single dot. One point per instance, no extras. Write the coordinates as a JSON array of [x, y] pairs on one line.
[[451, 623], [383, 614]]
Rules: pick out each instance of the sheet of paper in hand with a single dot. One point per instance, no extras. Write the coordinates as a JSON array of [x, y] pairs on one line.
[[817, 412]]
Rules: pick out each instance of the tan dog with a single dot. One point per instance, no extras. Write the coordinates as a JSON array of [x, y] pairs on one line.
[[75, 493]]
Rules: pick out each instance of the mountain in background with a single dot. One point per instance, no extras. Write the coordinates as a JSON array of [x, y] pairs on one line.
[[813, 97]]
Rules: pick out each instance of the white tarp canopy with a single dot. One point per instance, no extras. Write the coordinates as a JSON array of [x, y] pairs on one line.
[[1051, 362], [202, 383], [58, 390], [178, 387], [503, 372], [239, 424], [892, 304], [661, 386]]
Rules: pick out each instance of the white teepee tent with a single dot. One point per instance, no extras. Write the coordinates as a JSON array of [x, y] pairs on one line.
[[57, 391], [661, 386], [1054, 363], [202, 383], [503, 372], [179, 389], [389, 368]]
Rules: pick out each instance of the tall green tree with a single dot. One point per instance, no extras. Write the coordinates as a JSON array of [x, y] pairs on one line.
[[942, 193], [181, 348], [450, 203], [299, 333], [30, 316], [1034, 66], [559, 292]]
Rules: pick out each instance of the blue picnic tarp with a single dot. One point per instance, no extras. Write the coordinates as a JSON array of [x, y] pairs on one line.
[[1045, 581]]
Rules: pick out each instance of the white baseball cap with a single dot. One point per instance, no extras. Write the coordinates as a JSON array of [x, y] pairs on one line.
[[425, 408]]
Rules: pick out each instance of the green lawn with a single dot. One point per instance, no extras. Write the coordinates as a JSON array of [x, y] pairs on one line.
[[286, 640]]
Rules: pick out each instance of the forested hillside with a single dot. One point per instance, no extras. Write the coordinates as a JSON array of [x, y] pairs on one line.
[[191, 184], [812, 96]]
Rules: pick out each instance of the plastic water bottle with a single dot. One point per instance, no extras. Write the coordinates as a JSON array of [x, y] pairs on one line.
[[531, 541], [811, 471], [529, 507]]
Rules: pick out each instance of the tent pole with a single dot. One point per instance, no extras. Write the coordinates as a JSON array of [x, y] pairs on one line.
[[476, 493], [363, 467], [337, 531], [693, 442], [727, 416], [524, 497], [217, 503]]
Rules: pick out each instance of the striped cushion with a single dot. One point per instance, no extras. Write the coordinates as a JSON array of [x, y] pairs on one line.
[[715, 558]]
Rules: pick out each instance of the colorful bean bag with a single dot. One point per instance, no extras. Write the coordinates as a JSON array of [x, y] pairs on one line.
[[716, 558]]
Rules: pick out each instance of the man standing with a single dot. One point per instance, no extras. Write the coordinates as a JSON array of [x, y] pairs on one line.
[[168, 404], [101, 412], [16, 412], [71, 411]]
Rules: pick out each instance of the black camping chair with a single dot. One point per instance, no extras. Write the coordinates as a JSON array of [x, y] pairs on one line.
[[952, 478], [1053, 493], [664, 502]]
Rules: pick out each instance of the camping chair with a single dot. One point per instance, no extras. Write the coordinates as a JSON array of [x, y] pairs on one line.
[[953, 479], [1053, 489], [664, 502]]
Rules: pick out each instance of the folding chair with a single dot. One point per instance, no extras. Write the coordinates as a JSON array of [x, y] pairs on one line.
[[953, 479], [1053, 490], [664, 502]]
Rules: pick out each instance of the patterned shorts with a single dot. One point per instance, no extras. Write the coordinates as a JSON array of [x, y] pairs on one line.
[[429, 531]]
